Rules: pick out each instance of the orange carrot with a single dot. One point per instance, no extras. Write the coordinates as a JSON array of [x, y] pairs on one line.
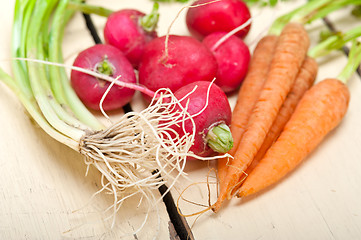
[[319, 111], [303, 82], [252, 86], [290, 52], [248, 95]]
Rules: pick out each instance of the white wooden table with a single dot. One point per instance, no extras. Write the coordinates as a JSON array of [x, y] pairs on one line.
[[43, 187]]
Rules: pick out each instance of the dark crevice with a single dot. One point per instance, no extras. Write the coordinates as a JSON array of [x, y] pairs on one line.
[[179, 222], [93, 31], [345, 49], [127, 108]]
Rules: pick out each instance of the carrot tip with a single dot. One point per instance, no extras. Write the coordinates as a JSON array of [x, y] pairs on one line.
[[241, 194], [215, 207]]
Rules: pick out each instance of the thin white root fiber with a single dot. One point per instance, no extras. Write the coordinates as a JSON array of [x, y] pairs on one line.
[[141, 151]]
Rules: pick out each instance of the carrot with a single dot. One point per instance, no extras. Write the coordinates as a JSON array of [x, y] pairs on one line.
[[303, 82], [290, 52], [319, 111], [252, 86], [248, 95]]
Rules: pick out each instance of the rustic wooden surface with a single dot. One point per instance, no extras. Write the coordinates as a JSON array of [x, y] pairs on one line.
[[44, 190]]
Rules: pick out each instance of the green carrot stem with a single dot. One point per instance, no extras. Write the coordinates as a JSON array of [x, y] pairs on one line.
[[309, 12], [37, 73], [334, 42], [89, 9], [59, 81], [354, 60], [331, 7]]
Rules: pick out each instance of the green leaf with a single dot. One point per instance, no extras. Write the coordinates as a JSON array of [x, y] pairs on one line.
[[356, 11], [327, 33]]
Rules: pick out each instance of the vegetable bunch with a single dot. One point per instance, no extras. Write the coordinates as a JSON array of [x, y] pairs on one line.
[[280, 117], [135, 155]]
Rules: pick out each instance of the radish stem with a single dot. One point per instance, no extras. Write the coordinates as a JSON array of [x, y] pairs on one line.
[[219, 138], [150, 21]]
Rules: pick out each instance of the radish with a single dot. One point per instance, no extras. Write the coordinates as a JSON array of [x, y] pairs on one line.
[[108, 60], [233, 58], [174, 62], [130, 30], [211, 113], [222, 15]]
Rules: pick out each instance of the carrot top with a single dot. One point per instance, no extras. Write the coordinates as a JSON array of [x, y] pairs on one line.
[[309, 12], [334, 42], [354, 59]]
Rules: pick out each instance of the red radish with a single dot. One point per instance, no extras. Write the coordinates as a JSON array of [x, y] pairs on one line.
[[130, 30], [217, 16], [233, 58], [211, 125], [107, 60], [187, 60]]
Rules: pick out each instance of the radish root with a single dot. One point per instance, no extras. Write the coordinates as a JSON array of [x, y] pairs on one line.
[[129, 151], [141, 151]]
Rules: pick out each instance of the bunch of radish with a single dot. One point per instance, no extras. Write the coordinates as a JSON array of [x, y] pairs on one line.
[[168, 62], [187, 118]]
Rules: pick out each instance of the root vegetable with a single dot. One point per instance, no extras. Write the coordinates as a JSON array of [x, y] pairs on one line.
[[320, 110], [217, 16], [107, 60], [276, 117], [303, 82], [248, 95], [130, 30], [290, 52], [233, 58], [184, 60], [211, 112]]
